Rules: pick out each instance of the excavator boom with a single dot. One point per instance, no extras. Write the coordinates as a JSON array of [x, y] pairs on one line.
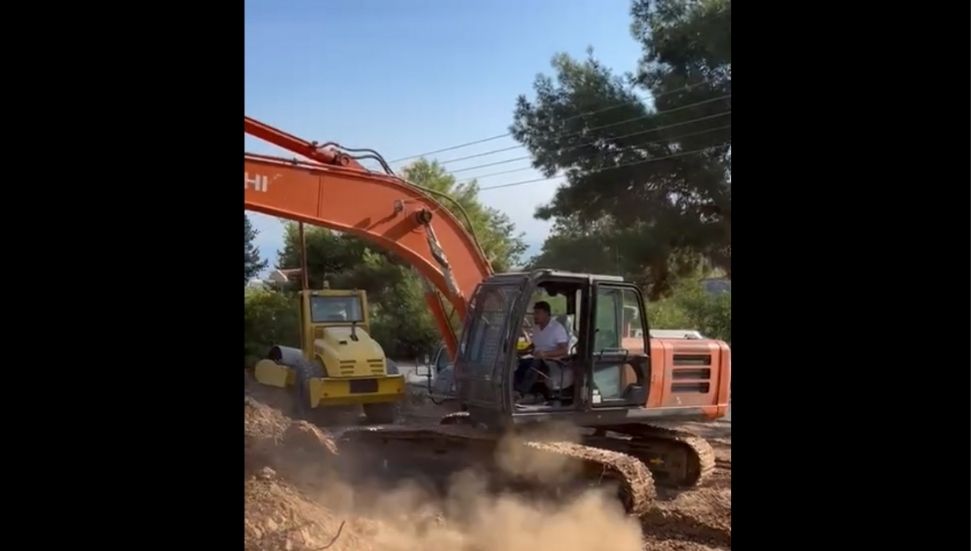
[[337, 192]]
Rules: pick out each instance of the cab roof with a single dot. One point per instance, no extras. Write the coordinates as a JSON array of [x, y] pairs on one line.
[[547, 272]]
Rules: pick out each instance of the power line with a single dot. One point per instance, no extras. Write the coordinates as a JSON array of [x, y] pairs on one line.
[[653, 97], [490, 152], [601, 127], [498, 136], [626, 148], [665, 127], [681, 154], [460, 146]]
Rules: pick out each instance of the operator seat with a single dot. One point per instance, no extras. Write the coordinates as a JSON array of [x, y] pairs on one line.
[[566, 320], [561, 372]]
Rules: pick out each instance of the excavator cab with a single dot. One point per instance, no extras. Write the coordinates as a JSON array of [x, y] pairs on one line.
[[605, 374]]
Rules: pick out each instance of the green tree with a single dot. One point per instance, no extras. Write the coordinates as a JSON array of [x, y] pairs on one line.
[[252, 263], [651, 184], [329, 254], [604, 247], [690, 307], [493, 229], [270, 318]]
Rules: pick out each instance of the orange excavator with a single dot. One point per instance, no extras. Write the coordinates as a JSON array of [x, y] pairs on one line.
[[615, 386]]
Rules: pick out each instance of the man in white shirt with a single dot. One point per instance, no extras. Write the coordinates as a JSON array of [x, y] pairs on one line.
[[550, 341]]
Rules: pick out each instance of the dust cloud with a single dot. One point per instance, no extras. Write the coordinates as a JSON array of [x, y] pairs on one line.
[[471, 517], [518, 459], [299, 498]]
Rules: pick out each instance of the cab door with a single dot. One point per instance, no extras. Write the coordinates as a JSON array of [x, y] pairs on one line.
[[619, 365], [485, 346]]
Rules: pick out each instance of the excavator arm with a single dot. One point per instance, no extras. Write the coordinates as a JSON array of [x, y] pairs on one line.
[[334, 191]]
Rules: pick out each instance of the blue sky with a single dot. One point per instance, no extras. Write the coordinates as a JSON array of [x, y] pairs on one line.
[[409, 76]]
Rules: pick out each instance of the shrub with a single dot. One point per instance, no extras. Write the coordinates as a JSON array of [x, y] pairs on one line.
[[270, 318], [690, 307]]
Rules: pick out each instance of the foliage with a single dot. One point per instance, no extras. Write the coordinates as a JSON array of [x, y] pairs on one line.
[[690, 307], [401, 321], [648, 190], [329, 254], [252, 264], [493, 229], [270, 318], [604, 248]]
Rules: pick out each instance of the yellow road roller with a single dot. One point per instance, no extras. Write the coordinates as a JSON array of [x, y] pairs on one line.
[[338, 364]]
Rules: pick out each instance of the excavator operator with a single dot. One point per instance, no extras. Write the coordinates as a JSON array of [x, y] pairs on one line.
[[550, 342]]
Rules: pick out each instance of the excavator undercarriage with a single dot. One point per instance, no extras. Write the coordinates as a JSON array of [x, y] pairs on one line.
[[630, 459]]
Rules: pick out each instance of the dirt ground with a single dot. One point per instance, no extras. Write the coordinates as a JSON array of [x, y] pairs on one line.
[[296, 500]]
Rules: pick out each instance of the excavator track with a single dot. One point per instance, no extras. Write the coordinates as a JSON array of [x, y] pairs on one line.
[[439, 449], [675, 457], [636, 482]]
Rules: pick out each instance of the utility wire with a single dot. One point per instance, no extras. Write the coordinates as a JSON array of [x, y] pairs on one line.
[[584, 114], [625, 148], [601, 127], [680, 154], [587, 130], [665, 127]]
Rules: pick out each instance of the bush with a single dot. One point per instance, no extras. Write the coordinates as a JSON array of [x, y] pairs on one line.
[[402, 323], [270, 318], [690, 307]]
